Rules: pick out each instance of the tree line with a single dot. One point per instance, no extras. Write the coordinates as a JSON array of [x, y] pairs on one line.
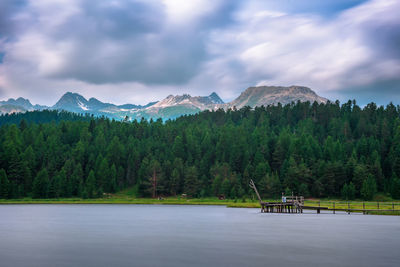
[[314, 150]]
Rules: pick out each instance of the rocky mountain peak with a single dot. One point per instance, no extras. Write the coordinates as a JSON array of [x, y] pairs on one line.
[[72, 102], [270, 95], [172, 106], [215, 98]]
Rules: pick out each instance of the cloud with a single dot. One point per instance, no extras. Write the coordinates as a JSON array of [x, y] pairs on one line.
[[8, 8], [357, 48], [116, 41], [146, 49]]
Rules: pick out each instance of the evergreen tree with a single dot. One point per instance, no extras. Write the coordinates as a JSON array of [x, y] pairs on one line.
[[90, 186], [351, 191], [41, 184], [368, 188], [4, 184], [178, 148], [274, 186], [65, 189], [175, 182], [360, 174], [76, 179], [395, 187], [226, 187], [113, 179], [320, 150], [191, 181], [216, 185], [348, 191], [103, 176], [303, 190]]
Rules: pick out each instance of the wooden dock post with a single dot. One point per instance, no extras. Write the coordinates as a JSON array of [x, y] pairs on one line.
[[253, 186], [392, 206], [363, 207], [293, 204], [334, 208], [377, 205], [348, 207]]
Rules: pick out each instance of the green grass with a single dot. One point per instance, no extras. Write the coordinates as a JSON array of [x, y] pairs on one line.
[[118, 199]]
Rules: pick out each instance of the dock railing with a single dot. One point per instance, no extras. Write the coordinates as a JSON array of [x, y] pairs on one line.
[[357, 206], [293, 205]]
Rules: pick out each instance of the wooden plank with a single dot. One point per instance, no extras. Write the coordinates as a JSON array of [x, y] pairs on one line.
[[314, 208]]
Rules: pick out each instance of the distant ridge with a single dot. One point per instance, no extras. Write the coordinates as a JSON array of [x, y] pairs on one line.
[[20, 104], [172, 106], [77, 103]]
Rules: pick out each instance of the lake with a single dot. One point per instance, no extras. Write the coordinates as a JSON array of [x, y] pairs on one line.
[[164, 235]]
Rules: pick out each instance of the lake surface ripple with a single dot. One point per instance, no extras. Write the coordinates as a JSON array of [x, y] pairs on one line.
[[161, 235]]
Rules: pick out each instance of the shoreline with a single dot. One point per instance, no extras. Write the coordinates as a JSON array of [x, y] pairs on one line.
[[386, 207], [134, 201]]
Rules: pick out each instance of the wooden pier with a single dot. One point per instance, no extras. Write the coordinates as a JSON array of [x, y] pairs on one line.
[[285, 207], [292, 207], [289, 204], [295, 204]]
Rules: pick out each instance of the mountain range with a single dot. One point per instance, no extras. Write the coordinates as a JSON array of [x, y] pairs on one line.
[[172, 106]]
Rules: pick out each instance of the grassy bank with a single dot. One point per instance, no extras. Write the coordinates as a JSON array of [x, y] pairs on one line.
[[381, 208], [127, 200]]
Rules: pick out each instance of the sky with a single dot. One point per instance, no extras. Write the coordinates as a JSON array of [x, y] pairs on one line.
[[137, 51]]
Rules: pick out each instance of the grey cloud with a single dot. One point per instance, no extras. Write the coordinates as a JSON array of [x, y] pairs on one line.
[[384, 38], [8, 8], [221, 16], [121, 20], [145, 59], [378, 24], [355, 49], [122, 41]]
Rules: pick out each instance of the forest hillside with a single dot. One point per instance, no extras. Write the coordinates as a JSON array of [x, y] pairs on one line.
[[318, 150]]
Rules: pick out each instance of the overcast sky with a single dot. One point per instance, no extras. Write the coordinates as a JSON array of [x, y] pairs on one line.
[[136, 51]]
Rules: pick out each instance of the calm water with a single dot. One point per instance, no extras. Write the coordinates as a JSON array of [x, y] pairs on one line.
[[152, 235]]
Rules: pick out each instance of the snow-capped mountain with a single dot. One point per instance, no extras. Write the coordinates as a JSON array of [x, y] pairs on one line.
[[172, 106], [175, 106], [200, 102], [73, 102]]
